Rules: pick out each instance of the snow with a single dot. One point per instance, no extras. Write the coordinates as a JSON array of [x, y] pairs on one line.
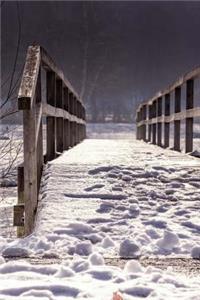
[[109, 197]]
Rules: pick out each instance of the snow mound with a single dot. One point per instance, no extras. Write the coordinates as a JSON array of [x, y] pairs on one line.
[[195, 253], [107, 242], [137, 291], [134, 210], [133, 266], [96, 259], [169, 241], [64, 272], [15, 252], [84, 248], [129, 249]]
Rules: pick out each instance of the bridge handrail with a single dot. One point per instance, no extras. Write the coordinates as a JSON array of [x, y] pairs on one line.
[[65, 127], [154, 113]]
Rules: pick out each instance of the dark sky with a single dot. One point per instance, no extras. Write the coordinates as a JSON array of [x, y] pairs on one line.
[[132, 49]]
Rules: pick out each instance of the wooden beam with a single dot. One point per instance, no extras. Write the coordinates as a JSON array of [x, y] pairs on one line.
[[29, 78], [49, 110]]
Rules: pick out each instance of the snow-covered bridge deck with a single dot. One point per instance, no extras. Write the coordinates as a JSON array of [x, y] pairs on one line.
[[103, 193]]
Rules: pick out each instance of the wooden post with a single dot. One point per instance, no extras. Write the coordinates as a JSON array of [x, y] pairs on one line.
[[71, 123], [75, 123], [59, 121], [177, 123], [40, 158], [144, 119], [167, 124], [149, 126], [19, 209], [159, 124], [66, 122], [51, 98], [30, 167], [189, 121], [154, 125], [137, 127]]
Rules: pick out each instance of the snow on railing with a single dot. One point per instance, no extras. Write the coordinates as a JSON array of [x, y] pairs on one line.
[[65, 127], [154, 116]]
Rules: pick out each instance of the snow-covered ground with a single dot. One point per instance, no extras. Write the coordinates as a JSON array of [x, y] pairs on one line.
[[113, 197]]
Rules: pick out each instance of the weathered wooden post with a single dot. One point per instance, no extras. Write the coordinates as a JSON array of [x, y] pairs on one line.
[[19, 208], [71, 123], [66, 143], [177, 123], [137, 127], [159, 124], [39, 134], [59, 120], [51, 99], [75, 123], [167, 124], [149, 126], [144, 117], [189, 121], [154, 109]]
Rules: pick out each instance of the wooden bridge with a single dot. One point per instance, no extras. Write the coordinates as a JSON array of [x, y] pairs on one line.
[[45, 92]]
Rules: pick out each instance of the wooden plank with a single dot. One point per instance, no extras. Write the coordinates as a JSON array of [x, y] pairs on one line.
[[59, 121], [48, 110], [51, 98], [189, 121], [19, 216], [66, 135], [30, 168], [189, 135], [29, 78], [39, 134], [190, 113], [20, 200], [71, 134]]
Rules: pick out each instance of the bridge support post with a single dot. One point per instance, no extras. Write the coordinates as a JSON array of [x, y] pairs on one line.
[[59, 120], [177, 123], [167, 124], [51, 97], [154, 124], [66, 141], [159, 124], [189, 121]]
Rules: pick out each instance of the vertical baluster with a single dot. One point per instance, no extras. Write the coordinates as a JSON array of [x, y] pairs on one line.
[[59, 121], [51, 98], [189, 121], [167, 124], [177, 123]]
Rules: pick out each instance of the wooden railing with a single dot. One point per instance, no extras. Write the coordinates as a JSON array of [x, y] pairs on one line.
[[65, 127], [154, 116]]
